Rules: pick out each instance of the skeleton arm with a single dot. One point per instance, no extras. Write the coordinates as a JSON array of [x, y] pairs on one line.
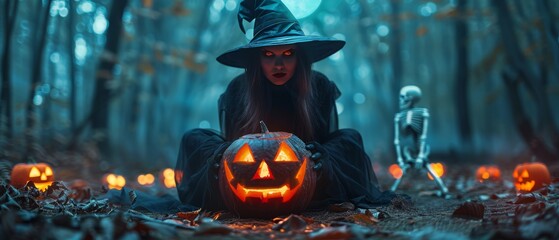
[[397, 140]]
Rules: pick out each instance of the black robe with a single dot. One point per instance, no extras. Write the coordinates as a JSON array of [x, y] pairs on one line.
[[347, 176]]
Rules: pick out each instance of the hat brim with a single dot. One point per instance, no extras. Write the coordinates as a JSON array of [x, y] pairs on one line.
[[316, 48]]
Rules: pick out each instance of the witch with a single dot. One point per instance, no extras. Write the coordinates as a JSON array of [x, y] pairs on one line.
[[280, 88]]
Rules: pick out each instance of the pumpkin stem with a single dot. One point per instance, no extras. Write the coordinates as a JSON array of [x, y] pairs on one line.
[[264, 127]]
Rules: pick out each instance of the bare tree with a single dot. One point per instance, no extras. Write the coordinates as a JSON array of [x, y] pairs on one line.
[[396, 52], [10, 10], [462, 70], [99, 115], [72, 56], [520, 74], [36, 76]]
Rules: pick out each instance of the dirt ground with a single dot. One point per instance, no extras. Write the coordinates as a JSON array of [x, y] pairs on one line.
[[474, 210]]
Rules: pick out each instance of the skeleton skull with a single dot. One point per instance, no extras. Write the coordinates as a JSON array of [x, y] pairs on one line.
[[409, 96]]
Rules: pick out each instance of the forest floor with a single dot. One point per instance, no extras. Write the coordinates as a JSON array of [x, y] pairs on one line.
[[491, 210]]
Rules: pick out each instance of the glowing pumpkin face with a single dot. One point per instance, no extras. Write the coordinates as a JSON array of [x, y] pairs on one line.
[[488, 173], [530, 176], [266, 175], [40, 174]]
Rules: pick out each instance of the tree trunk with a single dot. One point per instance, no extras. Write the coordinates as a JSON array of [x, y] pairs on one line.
[[551, 35], [102, 96], [523, 124], [535, 86], [72, 56], [36, 76], [462, 70], [10, 13], [396, 53]]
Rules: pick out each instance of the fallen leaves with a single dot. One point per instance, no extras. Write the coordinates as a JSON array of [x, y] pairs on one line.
[[293, 222], [341, 207], [470, 210]]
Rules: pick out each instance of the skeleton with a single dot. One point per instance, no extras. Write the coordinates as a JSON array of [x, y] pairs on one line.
[[410, 127]]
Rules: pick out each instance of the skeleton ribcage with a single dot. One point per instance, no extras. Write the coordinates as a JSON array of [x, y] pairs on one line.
[[411, 122]]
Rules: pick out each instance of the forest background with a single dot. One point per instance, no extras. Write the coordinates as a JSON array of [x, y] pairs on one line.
[[105, 85]]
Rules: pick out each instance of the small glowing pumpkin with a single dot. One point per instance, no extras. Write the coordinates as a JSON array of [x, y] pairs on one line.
[[146, 179], [168, 178], [530, 176], [40, 174], [438, 168], [114, 181], [266, 175], [395, 171], [488, 173]]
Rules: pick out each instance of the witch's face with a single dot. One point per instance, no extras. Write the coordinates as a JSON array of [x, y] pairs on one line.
[[278, 63]]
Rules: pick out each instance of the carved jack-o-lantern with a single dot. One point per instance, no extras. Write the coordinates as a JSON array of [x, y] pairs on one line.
[[40, 173], [488, 173], [530, 176], [266, 175]]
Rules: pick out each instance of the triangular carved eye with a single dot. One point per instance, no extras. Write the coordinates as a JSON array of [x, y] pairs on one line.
[[48, 171], [34, 172], [244, 155], [285, 154]]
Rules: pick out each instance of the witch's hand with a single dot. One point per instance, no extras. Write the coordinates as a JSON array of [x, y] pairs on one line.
[[215, 162], [318, 154]]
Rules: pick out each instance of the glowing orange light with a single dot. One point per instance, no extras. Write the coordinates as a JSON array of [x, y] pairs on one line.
[[169, 178], [263, 172], [285, 154], [438, 168], [395, 171], [488, 173], [146, 179], [114, 181], [530, 176], [41, 174], [244, 155]]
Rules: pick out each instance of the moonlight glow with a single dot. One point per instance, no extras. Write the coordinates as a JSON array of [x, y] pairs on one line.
[[302, 8]]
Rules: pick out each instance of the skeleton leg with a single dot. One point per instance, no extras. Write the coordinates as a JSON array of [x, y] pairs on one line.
[[397, 182], [438, 180]]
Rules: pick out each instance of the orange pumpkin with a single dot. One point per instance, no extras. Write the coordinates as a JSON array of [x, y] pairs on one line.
[[395, 171], [530, 176], [146, 179], [40, 173], [439, 170], [266, 175], [114, 181], [488, 173], [167, 177]]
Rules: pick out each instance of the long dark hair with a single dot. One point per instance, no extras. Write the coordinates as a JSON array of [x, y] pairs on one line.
[[255, 98]]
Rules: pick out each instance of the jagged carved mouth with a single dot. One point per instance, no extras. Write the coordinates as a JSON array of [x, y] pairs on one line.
[[42, 185], [525, 186], [264, 194]]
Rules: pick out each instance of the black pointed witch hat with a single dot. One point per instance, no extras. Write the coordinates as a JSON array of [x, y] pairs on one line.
[[275, 25]]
